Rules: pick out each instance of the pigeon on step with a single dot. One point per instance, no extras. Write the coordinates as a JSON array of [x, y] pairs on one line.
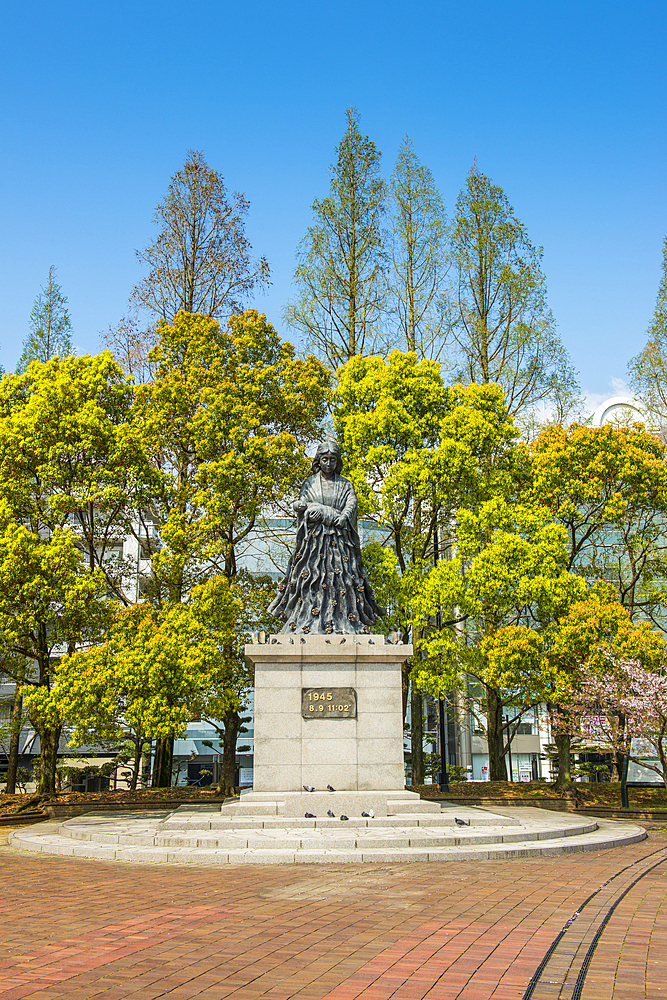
[[330, 788], [308, 788], [310, 815], [461, 822], [303, 640], [371, 642], [368, 815], [331, 813], [343, 816]]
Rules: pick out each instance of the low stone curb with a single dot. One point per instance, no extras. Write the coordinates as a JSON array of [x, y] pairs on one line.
[[555, 805], [66, 810]]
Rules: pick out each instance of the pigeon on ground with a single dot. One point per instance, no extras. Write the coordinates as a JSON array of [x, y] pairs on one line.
[[368, 815], [371, 642], [273, 641], [328, 641], [308, 788], [343, 640], [461, 822], [331, 813], [303, 640], [310, 815], [291, 640], [343, 816], [331, 788]]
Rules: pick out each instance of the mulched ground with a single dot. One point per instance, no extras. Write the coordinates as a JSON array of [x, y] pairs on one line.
[[608, 794], [515, 793], [10, 804]]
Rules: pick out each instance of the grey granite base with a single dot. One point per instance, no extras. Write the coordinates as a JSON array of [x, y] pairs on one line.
[[364, 753]]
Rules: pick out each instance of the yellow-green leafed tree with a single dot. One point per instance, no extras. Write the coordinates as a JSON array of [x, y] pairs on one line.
[[607, 487], [47, 604], [154, 670], [224, 424], [416, 452], [70, 455], [229, 613], [487, 606], [70, 458]]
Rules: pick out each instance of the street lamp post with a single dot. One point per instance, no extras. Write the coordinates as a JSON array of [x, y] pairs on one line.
[[443, 724]]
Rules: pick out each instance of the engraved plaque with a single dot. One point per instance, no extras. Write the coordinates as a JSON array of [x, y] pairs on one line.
[[328, 703]]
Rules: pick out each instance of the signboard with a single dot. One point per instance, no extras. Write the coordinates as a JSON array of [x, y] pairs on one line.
[[328, 703]]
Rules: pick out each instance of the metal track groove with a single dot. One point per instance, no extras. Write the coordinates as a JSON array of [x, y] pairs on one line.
[[536, 979]]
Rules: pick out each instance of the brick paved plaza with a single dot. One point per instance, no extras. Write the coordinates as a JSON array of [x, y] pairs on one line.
[[75, 928]]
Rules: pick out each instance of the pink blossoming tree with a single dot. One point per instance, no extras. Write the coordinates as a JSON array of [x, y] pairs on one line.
[[626, 703]]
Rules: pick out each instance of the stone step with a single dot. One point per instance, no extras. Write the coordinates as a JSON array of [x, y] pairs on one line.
[[183, 821], [350, 837], [294, 805], [48, 838]]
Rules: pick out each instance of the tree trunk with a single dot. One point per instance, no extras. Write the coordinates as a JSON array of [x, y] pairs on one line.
[[136, 762], [616, 766], [495, 736], [564, 744], [14, 740], [417, 736], [48, 744], [162, 765], [227, 782]]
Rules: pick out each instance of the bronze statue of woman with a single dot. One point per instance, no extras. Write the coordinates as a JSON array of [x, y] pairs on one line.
[[325, 588]]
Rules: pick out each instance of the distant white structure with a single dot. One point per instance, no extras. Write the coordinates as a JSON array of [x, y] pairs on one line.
[[616, 408]]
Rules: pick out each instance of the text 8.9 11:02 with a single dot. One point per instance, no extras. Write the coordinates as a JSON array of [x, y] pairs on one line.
[[328, 703]]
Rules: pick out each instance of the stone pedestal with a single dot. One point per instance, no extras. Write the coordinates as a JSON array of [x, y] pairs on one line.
[[328, 711]]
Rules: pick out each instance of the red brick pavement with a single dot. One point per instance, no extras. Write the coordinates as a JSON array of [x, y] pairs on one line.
[[472, 930]]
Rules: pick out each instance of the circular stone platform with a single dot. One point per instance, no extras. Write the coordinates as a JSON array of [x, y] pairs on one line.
[[204, 835]]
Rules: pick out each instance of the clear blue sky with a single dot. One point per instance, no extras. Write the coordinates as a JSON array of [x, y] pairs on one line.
[[562, 103]]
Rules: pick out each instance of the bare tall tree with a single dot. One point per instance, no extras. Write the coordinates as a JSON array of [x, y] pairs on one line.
[[503, 330], [130, 342], [340, 272], [201, 259], [419, 253]]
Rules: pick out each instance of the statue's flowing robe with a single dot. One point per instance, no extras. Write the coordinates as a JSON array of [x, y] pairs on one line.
[[325, 588]]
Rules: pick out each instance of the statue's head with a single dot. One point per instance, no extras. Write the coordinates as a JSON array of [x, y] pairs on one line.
[[328, 448]]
